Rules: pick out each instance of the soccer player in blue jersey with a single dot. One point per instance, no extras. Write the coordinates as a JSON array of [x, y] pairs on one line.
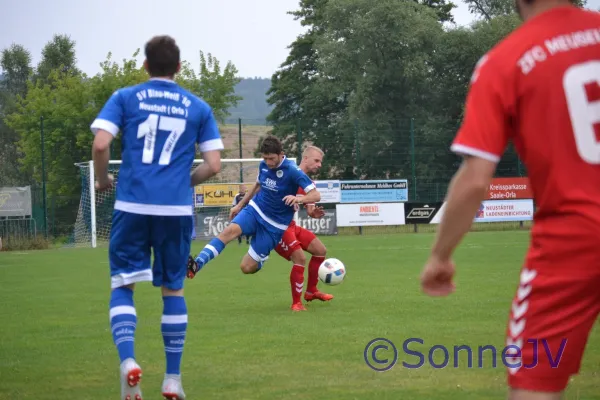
[[268, 214], [161, 124]]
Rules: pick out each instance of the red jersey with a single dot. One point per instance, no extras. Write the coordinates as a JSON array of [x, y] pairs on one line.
[[540, 89], [300, 192]]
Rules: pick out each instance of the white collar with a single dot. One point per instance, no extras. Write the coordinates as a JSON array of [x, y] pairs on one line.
[[282, 160]]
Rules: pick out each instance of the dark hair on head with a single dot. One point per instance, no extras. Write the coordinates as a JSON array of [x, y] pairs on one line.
[[162, 54], [271, 145]]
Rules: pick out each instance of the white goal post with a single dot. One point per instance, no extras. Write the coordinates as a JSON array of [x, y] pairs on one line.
[[212, 200]]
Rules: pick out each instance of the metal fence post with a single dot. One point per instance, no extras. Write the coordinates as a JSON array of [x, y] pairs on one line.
[[44, 178], [412, 161]]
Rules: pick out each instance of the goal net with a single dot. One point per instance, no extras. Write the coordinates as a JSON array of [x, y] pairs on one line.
[[212, 201]]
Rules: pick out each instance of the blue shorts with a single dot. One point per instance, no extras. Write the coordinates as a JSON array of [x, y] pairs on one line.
[[265, 236], [132, 239]]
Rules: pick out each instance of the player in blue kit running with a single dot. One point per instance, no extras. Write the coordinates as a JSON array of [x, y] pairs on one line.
[[161, 125], [268, 215]]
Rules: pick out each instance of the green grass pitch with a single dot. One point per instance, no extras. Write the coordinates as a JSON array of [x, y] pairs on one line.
[[243, 342]]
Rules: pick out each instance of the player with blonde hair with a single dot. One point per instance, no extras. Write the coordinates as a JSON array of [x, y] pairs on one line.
[[296, 240]]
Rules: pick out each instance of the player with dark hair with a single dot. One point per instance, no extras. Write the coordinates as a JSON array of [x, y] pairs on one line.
[[297, 239], [540, 89], [269, 212], [161, 125]]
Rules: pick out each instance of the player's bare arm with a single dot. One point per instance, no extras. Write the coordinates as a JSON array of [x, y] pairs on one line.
[[209, 168], [466, 192], [312, 196], [101, 157]]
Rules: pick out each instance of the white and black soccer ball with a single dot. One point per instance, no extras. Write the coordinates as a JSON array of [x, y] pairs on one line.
[[332, 272]]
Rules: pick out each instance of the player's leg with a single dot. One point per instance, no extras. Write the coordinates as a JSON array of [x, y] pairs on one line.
[[264, 240], [250, 264], [171, 243], [297, 277], [530, 395], [311, 243], [243, 223], [551, 317], [129, 258], [253, 260], [290, 249]]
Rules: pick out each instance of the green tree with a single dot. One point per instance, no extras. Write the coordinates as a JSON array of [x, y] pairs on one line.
[[63, 102], [379, 56], [213, 85], [442, 8], [15, 63], [489, 9], [16, 67], [69, 102], [58, 53], [299, 105], [310, 103], [452, 62]]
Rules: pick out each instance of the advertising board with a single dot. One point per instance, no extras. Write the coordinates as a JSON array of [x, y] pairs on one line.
[[374, 191], [375, 214]]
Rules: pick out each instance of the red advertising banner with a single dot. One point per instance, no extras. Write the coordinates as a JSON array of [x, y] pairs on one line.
[[509, 188]]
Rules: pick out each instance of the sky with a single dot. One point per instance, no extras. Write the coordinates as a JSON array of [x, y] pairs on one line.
[[253, 35]]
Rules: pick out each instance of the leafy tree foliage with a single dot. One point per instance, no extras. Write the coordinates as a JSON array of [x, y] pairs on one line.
[[381, 86], [64, 101], [15, 62]]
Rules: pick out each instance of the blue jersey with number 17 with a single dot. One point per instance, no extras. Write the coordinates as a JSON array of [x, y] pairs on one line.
[[275, 185], [161, 124]]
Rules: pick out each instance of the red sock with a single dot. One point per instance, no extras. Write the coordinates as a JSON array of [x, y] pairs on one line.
[[313, 273], [297, 282]]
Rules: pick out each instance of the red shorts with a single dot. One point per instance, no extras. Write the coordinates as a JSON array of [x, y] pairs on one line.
[[552, 313], [294, 238]]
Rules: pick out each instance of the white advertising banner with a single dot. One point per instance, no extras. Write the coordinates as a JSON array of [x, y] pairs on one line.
[[372, 214], [505, 210], [330, 191], [498, 211]]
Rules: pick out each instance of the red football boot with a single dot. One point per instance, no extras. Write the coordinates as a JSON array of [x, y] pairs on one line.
[[317, 296]]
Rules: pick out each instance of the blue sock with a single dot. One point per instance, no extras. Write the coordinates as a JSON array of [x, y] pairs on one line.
[[123, 320], [210, 251], [173, 327]]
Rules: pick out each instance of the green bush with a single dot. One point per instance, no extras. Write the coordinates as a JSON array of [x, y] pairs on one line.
[[25, 243]]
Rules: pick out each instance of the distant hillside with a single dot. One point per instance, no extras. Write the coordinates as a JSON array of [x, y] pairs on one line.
[[253, 108], [251, 135]]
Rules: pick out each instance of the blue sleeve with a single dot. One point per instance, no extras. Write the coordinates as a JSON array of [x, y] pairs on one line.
[[303, 180], [209, 137], [110, 118]]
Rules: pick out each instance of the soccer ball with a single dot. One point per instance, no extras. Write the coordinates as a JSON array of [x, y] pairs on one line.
[[332, 272]]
